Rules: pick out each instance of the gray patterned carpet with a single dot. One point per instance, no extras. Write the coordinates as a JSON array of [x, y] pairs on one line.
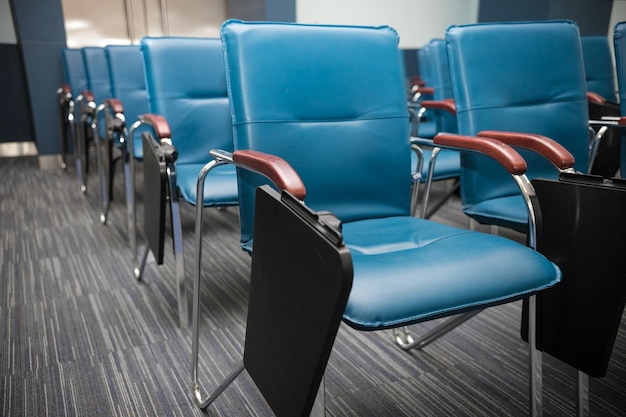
[[81, 337]]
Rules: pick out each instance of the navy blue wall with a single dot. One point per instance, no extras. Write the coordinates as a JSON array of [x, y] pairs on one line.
[[15, 123], [40, 34], [262, 10]]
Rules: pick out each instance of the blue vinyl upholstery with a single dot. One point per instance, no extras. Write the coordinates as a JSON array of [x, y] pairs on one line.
[[186, 85], [519, 77], [448, 162], [128, 84], [351, 149], [599, 69], [97, 71], [428, 126], [74, 70], [619, 40]]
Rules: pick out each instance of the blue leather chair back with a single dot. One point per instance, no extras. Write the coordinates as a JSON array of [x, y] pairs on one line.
[[521, 77], [186, 84], [619, 43], [97, 70], [128, 80], [442, 83], [128, 84], [599, 69], [352, 151], [74, 70]]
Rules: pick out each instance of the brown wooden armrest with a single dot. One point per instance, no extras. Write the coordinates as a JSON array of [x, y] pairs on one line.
[[508, 157], [115, 104], [447, 105], [622, 121], [88, 96], [273, 167], [543, 145], [66, 89], [159, 124], [426, 90], [595, 98]]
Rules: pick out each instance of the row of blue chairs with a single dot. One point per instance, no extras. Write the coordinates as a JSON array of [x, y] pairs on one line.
[[281, 114]]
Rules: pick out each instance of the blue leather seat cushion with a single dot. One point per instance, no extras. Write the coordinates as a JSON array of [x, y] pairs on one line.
[[389, 291], [448, 164], [220, 187]]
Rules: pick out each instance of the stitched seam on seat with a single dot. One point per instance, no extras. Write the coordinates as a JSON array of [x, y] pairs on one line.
[[286, 121]]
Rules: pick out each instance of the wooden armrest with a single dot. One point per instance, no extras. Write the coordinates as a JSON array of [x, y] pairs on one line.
[[447, 105], [66, 89], [159, 124], [426, 90], [508, 157], [622, 121], [595, 98], [273, 167], [543, 145], [115, 104], [88, 95]]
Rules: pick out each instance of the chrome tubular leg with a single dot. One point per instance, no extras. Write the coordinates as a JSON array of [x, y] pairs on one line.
[[402, 337], [536, 371], [177, 240], [417, 178], [429, 180], [582, 399], [195, 316], [408, 343], [98, 142], [81, 144], [218, 391], [131, 207]]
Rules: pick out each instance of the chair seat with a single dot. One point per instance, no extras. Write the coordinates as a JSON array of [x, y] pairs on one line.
[[220, 187], [448, 164], [509, 211], [388, 292]]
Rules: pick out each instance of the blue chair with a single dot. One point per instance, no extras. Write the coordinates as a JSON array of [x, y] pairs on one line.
[[187, 91], [90, 128], [351, 150], [442, 112], [517, 82], [507, 77], [75, 82], [599, 68], [122, 113], [601, 87]]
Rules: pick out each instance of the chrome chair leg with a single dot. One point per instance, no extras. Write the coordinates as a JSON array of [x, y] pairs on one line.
[[98, 142], [536, 361], [195, 317], [405, 341], [220, 388], [177, 240], [582, 400], [429, 181]]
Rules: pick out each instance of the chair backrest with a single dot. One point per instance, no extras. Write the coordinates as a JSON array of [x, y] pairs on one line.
[[441, 83], [97, 71], [619, 43], [599, 69], [186, 85], [74, 70], [350, 146], [128, 81], [520, 77]]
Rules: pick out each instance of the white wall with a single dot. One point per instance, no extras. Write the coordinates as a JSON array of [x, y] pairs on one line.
[[7, 31], [417, 21]]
